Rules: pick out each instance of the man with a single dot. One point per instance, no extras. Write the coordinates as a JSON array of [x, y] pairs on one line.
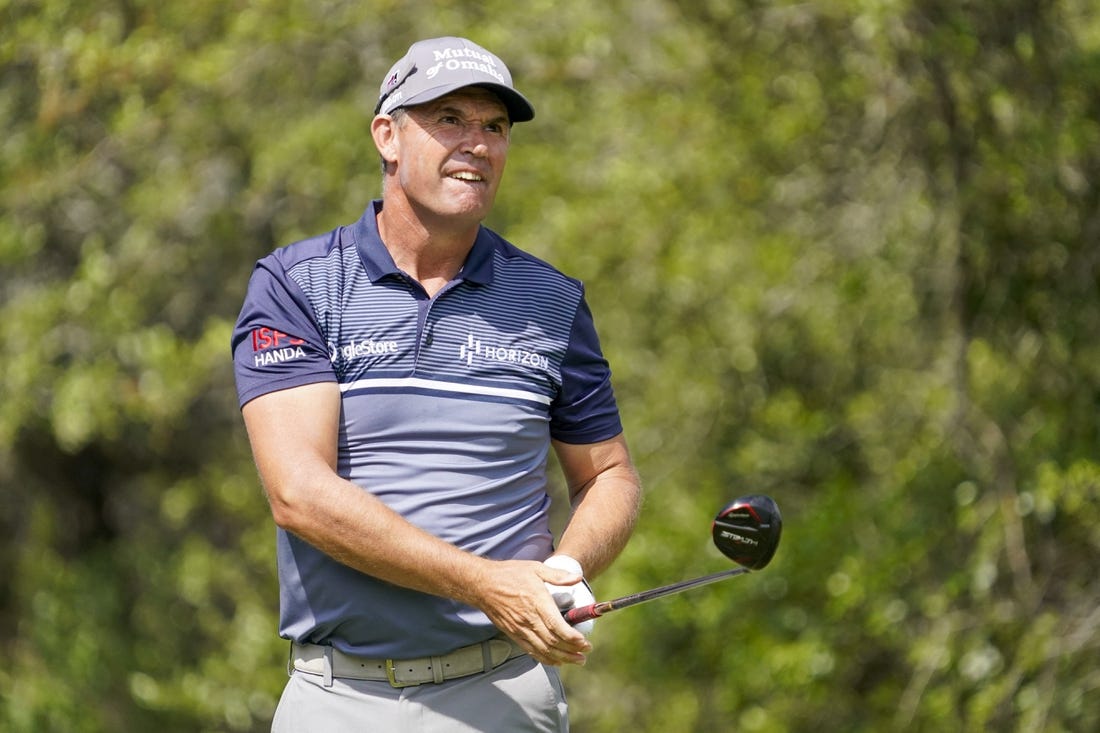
[[402, 380]]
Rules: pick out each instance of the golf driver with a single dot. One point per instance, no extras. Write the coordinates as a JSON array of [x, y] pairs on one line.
[[746, 531]]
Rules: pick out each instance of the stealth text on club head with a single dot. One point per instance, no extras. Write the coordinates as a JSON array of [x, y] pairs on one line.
[[747, 530]]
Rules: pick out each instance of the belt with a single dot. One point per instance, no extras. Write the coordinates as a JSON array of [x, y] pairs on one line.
[[330, 662]]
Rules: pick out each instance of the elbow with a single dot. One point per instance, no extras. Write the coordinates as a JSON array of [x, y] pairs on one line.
[[284, 515], [288, 507]]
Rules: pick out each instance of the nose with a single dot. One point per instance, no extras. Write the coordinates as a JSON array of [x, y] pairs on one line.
[[475, 143], [476, 138]]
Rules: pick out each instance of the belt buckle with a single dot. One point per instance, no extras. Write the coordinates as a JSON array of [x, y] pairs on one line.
[[391, 675]]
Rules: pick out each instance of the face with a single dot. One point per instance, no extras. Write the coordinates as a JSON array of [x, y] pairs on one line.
[[450, 154]]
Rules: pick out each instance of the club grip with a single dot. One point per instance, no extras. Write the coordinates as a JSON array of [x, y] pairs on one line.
[[580, 614]]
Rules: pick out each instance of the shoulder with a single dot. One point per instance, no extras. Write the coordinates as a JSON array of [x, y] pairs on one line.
[[512, 262], [306, 251], [318, 265]]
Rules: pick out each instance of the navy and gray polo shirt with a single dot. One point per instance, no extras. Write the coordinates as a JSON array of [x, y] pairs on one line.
[[448, 405]]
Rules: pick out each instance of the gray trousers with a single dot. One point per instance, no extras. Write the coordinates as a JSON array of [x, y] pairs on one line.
[[519, 695]]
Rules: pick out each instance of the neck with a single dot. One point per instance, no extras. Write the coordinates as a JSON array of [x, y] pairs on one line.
[[432, 253]]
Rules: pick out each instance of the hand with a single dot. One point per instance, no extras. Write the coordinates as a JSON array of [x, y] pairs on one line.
[[576, 594], [513, 594]]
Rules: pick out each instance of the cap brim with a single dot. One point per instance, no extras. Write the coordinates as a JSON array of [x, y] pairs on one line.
[[519, 109]]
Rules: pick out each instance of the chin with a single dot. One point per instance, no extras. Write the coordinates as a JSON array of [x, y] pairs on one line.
[[471, 210]]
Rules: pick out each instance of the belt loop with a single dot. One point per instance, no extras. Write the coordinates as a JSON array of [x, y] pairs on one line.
[[328, 666], [290, 660], [437, 670], [486, 657]]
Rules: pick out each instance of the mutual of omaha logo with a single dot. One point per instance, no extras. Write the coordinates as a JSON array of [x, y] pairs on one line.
[[475, 349], [466, 59]]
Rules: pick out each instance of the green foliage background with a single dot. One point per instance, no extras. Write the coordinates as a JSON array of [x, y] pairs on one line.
[[846, 253]]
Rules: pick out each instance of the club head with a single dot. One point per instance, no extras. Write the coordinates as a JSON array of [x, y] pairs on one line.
[[747, 531]]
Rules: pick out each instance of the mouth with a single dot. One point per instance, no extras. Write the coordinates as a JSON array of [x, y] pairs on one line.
[[470, 176]]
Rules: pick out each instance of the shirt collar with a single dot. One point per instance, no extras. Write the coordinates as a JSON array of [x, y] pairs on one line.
[[378, 263]]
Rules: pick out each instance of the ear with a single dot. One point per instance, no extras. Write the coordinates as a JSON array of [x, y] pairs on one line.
[[383, 129]]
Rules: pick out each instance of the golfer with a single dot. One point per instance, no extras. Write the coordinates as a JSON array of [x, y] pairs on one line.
[[402, 380]]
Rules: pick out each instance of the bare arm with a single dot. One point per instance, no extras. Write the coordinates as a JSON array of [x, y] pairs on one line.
[[294, 435], [606, 496]]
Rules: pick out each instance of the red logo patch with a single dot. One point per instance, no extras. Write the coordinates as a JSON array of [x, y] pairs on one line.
[[268, 338]]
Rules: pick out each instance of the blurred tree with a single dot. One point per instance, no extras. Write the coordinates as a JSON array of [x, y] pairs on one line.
[[842, 253]]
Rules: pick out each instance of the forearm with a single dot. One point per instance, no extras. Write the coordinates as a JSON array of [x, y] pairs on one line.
[[357, 529], [605, 510]]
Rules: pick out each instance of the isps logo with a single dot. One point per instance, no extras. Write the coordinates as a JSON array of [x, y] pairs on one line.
[[270, 346]]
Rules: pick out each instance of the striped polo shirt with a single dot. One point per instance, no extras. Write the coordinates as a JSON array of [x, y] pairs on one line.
[[448, 407]]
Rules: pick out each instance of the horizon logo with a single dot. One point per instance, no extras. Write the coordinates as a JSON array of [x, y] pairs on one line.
[[476, 348]]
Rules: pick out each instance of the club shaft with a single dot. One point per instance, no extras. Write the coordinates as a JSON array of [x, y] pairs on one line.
[[601, 608]]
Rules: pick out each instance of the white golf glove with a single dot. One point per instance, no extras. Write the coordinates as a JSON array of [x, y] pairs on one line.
[[568, 596]]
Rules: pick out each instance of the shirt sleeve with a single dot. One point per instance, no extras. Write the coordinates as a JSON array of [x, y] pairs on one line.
[[585, 410], [277, 342]]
